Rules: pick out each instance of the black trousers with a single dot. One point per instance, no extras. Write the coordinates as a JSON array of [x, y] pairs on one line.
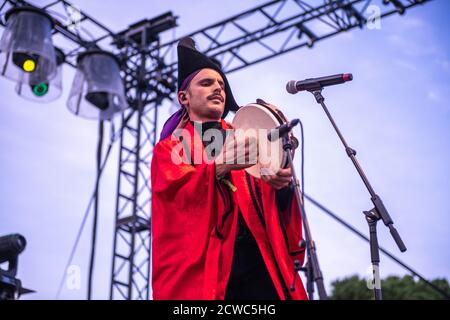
[[249, 278]]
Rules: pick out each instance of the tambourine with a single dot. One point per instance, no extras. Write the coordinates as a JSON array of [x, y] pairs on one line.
[[260, 118]]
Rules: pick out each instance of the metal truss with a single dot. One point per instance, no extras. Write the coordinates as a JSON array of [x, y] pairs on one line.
[[138, 51], [149, 67], [132, 236], [132, 239], [253, 36], [281, 26]]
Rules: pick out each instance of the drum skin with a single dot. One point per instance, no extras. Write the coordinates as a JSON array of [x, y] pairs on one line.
[[256, 119]]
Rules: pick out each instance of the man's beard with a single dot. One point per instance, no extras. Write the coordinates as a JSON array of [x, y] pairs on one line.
[[213, 110]]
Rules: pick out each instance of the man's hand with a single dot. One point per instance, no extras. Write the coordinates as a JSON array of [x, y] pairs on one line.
[[279, 179], [239, 152]]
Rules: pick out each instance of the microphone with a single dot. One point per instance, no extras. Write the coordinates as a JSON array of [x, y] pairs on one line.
[[280, 131], [317, 83]]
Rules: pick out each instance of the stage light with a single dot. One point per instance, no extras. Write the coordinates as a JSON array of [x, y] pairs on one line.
[[29, 65], [26, 46], [41, 89], [97, 90], [25, 61], [11, 246]]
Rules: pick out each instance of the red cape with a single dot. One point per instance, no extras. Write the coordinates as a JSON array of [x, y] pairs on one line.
[[194, 227]]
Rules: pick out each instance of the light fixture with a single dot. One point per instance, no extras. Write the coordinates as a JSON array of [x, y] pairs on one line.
[[97, 90], [42, 89], [26, 47]]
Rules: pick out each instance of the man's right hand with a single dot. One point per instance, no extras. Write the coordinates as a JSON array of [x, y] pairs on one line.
[[239, 152]]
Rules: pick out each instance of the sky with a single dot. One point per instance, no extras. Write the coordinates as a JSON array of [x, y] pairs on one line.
[[395, 114]]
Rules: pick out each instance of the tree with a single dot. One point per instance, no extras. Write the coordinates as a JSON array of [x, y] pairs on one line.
[[393, 288]]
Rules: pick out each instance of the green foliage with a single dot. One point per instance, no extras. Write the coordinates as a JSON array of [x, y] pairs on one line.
[[393, 288]]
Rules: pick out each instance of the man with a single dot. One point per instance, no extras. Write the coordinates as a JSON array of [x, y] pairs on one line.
[[217, 232]]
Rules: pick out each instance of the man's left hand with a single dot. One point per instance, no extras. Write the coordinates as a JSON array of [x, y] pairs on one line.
[[279, 179]]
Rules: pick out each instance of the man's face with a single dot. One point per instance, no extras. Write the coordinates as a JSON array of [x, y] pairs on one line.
[[205, 96]]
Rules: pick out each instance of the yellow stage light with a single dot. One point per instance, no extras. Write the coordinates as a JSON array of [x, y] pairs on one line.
[[29, 65]]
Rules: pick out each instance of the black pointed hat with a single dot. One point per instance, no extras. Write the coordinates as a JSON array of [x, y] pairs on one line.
[[190, 60]]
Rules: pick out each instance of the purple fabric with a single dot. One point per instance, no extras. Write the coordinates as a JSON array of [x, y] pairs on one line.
[[171, 124], [188, 80], [175, 119]]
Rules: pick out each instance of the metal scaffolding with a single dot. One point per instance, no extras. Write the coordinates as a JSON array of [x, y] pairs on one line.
[[149, 69]]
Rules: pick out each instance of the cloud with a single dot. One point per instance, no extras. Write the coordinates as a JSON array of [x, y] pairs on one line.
[[412, 23], [405, 64], [413, 47], [432, 95]]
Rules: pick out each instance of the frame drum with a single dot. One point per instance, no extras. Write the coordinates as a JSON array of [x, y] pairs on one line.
[[257, 119]]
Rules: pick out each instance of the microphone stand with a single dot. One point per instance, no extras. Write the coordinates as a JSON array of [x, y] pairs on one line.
[[313, 272], [372, 216]]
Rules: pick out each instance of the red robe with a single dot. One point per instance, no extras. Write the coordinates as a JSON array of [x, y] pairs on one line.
[[194, 230]]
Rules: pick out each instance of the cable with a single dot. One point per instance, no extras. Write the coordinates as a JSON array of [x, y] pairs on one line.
[[390, 255], [302, 151], [95, 219], [353, 229], [86, 213]]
